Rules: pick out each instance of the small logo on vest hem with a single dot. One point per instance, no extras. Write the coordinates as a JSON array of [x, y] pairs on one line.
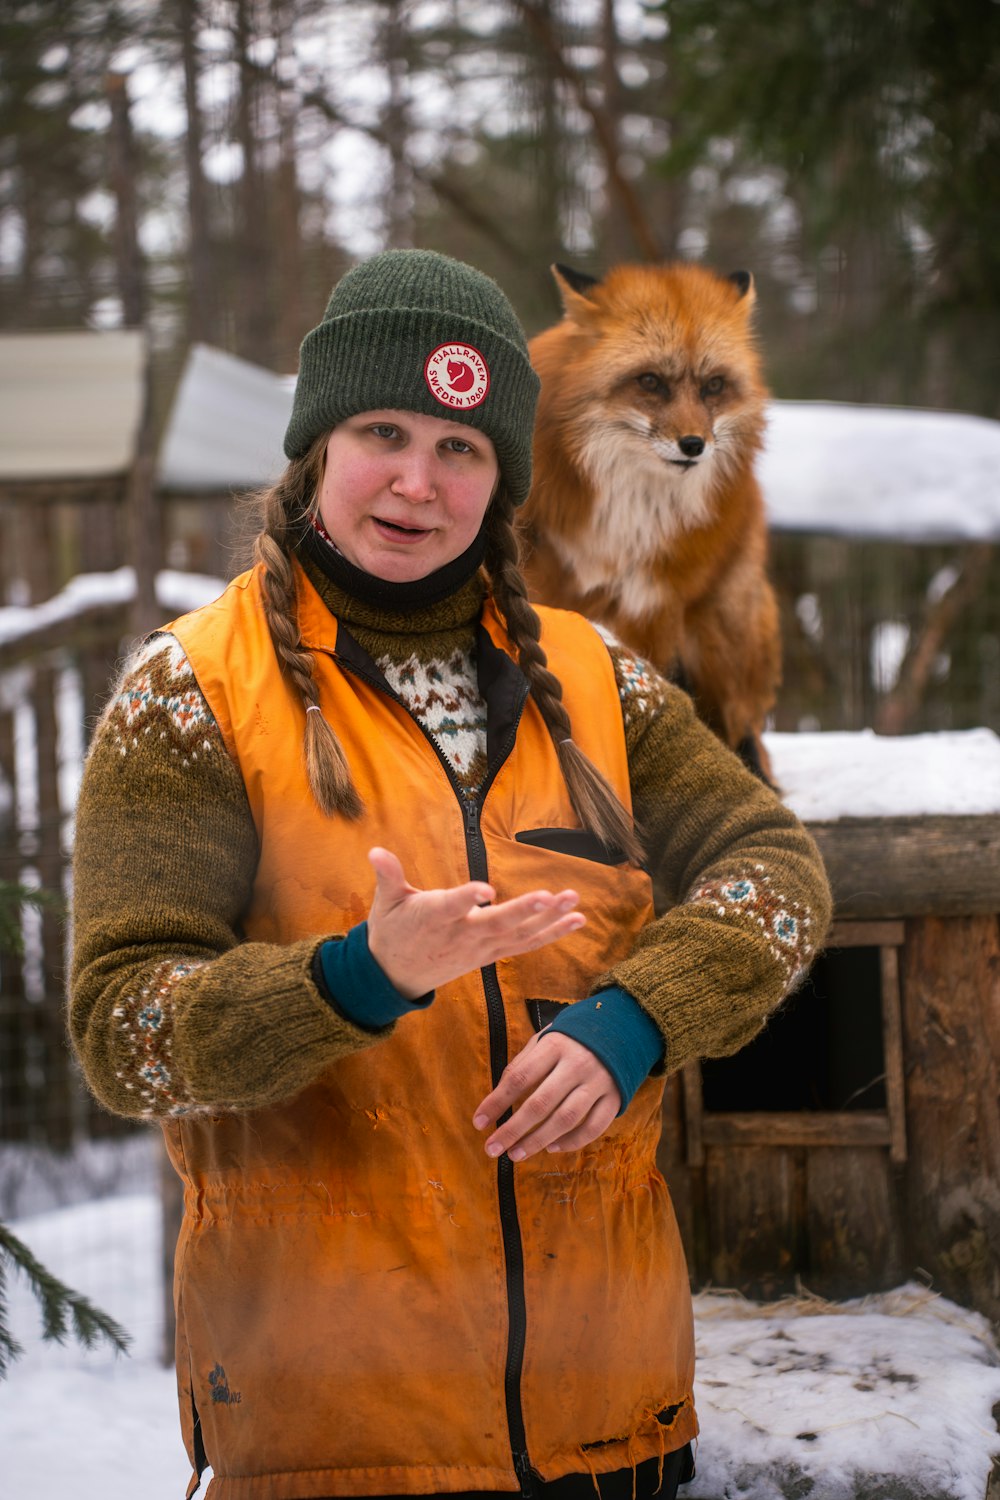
[[457, 375], [220, 1388]]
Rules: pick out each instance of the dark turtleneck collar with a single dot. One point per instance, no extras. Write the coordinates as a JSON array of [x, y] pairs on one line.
[[393, 598]]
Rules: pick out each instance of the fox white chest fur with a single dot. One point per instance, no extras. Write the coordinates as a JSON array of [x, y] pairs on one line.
[[645, 512]]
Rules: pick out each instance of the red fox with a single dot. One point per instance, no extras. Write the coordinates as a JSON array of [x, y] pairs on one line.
[[644, 513]]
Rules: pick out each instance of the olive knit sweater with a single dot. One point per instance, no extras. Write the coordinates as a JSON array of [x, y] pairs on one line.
[[172, 1010]]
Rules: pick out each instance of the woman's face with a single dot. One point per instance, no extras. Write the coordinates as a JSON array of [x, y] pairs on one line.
[[403, 494]]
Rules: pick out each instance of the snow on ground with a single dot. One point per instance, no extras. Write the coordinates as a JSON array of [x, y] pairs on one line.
[[834, 775], [93, 1425], [889, 1398]]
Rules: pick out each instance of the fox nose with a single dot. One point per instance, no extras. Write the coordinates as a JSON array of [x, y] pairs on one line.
[[691, 447]]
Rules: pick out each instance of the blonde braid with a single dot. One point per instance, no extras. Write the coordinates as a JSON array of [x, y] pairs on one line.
[[594, 799], [285, 511]]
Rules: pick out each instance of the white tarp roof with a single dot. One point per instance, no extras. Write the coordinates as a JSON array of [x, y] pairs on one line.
[[863, 471], [227, 424], [880, 471], [70, 403]]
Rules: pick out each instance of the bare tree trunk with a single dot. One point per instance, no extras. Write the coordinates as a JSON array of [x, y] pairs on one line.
[[123, 179], [395, 127], [203, 320], [551, 154], [254, 325], [615, 236], [290, 314]]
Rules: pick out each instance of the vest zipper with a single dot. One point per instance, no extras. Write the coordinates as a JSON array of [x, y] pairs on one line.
[[510, 1229]]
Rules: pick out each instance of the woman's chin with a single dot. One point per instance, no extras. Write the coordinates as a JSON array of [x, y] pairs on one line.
[[401, 567]]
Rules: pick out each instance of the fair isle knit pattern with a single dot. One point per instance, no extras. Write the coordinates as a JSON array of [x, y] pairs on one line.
[[146, 1020], [443, 696], [158, 694], [641, 689], [749, 898]]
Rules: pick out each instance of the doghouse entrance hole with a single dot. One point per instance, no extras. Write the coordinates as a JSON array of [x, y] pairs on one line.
[[822, 1051]]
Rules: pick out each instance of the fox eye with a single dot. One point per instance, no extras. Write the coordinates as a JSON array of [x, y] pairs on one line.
[[650, 381], [713, 387]]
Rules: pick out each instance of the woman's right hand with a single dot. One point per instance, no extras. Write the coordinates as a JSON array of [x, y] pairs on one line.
[[421, 939]]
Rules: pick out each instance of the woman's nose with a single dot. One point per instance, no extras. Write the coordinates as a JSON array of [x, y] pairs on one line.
[[415, 477]]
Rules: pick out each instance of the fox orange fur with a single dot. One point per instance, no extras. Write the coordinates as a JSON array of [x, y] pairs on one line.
[[644, 513]]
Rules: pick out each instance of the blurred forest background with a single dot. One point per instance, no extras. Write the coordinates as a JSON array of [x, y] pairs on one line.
[[208, 167]]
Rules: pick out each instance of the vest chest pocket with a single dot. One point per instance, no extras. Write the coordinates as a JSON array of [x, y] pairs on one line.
[[544, 1012], [580, 843]]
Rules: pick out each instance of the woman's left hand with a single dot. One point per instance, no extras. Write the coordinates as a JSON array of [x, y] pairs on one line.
[[568, 1099]]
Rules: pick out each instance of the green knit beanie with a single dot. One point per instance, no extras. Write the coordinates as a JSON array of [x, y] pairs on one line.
[[411, 330]]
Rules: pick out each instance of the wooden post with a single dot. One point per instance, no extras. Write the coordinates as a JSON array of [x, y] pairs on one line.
[[950, 982]]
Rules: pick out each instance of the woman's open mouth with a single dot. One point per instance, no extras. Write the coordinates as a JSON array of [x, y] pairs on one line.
[[397, 533]]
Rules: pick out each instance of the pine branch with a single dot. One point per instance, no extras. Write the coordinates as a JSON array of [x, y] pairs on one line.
[[63, 1310]]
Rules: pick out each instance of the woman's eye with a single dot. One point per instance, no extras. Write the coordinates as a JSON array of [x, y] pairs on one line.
[[458, 445], [384, 430], [714, 386]]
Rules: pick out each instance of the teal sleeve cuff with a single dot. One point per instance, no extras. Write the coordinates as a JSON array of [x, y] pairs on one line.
[[353, 982], [618, 1031]]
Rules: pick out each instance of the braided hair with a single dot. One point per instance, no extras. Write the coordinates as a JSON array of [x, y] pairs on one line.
[[594, 800], [286, 510]]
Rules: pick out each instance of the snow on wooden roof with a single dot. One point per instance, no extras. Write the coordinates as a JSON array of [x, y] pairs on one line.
[[70, 403], [226, 425], [877, 471]]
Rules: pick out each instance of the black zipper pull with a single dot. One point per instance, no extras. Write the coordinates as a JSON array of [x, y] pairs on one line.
[[525, 1475], [471, 815]]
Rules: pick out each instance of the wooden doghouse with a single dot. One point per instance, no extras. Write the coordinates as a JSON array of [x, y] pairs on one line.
[[856, 1142]]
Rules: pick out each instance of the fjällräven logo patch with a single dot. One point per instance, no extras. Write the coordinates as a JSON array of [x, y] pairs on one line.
[[457, 375], [220, 1388]]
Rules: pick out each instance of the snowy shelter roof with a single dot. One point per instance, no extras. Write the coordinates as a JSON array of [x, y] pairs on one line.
[[876, 471], [226, 425], [70, 403]]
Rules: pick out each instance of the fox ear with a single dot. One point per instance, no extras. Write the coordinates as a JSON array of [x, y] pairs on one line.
[[573, 288], [743, 282]]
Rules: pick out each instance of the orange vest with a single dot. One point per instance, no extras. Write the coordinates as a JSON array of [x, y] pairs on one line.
[[367, 1303]]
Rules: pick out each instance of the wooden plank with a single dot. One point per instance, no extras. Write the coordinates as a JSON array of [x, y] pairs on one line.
[[950, 990], [892, 1048], [694, 1111], [853, 1222], [919, 866], [866, 935], [753, 1205], [798, 1128]]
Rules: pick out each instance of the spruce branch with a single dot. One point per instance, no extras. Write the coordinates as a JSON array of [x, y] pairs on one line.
[[12, 897], [63, 1310]]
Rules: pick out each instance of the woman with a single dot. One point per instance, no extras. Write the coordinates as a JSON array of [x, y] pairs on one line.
[[362, 918]]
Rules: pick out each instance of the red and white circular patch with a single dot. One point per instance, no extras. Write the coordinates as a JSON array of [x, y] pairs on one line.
[[457, 375]]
